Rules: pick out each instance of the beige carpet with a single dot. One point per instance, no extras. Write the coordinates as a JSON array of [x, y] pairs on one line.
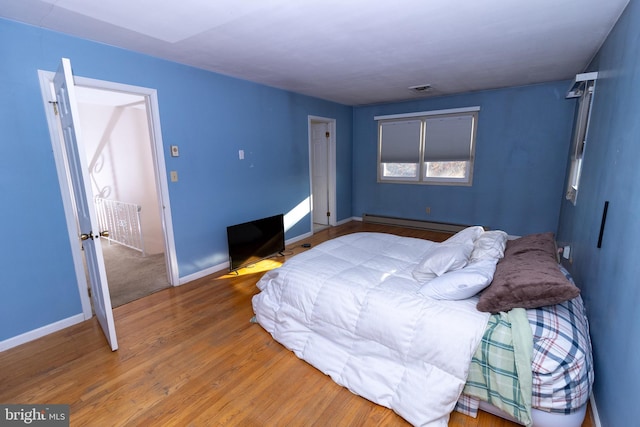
[[132, 276]]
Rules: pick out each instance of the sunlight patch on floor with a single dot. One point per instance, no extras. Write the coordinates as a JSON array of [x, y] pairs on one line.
[[259, 267]]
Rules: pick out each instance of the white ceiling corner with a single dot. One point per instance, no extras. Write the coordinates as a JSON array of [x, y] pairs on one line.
[[166, 21]]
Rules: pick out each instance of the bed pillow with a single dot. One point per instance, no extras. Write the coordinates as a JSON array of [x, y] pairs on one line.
[[527, 277], [541, 242], [489, 245], [461, 284], [463, 236], [443, 257]]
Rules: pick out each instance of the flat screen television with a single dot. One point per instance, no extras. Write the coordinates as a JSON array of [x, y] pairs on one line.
[[253, 241]]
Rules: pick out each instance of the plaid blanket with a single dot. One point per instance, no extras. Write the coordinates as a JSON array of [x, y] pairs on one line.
[[562, 366], [500, 371]]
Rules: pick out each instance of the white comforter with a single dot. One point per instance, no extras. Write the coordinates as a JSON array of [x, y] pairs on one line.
[[350, 308]]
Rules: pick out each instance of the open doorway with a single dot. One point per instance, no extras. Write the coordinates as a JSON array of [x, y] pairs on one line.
[[118, 147], [322, 171], [126, 103]]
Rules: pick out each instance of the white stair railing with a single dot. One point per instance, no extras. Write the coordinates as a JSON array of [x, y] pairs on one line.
[[122, 221]]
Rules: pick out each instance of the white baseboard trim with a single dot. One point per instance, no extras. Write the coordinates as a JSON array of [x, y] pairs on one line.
[[353, 218], [298, 238], [203, 273], [594, 411], [225, 265], [40, 332]]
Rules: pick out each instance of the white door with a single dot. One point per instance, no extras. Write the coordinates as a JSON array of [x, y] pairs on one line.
[[320, 169], [83, 197]]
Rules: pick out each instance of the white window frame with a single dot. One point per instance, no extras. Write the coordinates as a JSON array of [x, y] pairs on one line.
[[423, 144], [581, 135]]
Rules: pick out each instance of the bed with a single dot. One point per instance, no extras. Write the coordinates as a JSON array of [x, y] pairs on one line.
[[422, 327]]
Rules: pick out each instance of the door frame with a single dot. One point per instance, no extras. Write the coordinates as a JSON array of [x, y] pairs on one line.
[[157, 148], [331, 176]]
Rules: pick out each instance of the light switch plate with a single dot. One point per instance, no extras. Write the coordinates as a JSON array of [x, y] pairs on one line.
[[174, 176]]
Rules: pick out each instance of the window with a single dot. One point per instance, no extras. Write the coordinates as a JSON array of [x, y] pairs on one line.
[[580, 139], [434, 147]]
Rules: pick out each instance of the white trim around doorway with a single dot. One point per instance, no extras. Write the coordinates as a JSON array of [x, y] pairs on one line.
[[332, 168], [151, 101]]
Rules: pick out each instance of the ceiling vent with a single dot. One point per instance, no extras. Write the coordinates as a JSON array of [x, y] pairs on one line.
[[421, 88]]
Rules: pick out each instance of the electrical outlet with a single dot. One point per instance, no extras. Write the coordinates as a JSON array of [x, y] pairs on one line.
[[428, 210]]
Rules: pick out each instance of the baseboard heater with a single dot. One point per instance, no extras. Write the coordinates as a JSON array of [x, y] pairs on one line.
[[413, 223]]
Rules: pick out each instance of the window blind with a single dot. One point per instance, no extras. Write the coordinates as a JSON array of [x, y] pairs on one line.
[[400, 141], [448, 139]]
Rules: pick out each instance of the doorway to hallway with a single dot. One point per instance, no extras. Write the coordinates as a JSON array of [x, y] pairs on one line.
[[117, 143]]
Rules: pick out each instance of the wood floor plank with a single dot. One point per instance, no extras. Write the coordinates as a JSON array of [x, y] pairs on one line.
[[189, 356]]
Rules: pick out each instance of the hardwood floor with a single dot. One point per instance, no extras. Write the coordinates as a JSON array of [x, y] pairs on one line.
[[190, 356]]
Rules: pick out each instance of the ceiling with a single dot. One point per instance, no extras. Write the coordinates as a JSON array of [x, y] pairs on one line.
[[354, 52]]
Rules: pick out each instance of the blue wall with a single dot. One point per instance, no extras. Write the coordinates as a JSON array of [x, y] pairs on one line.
[[519, 178], [209, 116], [522, 143], [609, 276]]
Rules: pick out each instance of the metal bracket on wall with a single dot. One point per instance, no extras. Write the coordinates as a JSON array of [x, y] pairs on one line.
[[604, 220]]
